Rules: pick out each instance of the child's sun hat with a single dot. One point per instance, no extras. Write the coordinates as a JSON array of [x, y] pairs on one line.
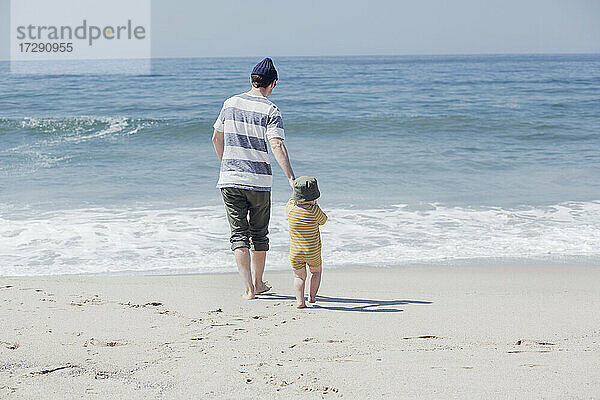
[[305, 189]]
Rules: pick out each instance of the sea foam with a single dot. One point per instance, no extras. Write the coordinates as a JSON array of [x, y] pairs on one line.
[[195, 240]]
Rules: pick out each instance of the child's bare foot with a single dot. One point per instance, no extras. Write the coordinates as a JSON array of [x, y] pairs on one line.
[[303, 305]]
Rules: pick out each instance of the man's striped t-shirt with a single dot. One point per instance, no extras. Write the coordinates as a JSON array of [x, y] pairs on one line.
[[248, 122]]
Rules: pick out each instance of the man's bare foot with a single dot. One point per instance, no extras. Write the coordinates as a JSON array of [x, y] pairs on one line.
[[301, 305], [249, 296], [312, 300], [263, 287]]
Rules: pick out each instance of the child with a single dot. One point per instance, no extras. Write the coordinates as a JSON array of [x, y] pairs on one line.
[[305, 216]]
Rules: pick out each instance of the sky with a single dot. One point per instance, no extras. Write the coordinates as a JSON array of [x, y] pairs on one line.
[[206, 28]]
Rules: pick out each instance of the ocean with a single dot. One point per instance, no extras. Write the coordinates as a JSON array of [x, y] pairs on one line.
[[421, 160]]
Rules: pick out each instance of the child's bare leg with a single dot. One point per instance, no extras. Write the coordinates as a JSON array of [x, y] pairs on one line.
[[315, 281], [299, 279]]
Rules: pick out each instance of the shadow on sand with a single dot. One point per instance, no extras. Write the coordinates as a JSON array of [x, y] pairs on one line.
[[361, 305]]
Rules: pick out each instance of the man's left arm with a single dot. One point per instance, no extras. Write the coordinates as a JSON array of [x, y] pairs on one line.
[[219, 143], [275, 135], [281, 155]]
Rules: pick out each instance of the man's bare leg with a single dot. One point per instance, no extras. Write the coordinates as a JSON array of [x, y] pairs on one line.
[[242, 258], [258, 262], [315, 281]]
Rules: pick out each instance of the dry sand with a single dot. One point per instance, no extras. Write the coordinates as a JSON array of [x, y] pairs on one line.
[[421, 332]]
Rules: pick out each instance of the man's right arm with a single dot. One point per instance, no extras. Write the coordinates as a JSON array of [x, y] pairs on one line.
[[281, 155], [219, 143]]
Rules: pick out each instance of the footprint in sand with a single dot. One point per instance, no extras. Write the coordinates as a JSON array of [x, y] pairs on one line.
[[149, 304], [535, 346], [101, 343], [323, 389], [308, 339], [96, 300], [10, 345], [422, 337], [50, 370], [102, 375], [534, 342], [130, 305], [528, 351]]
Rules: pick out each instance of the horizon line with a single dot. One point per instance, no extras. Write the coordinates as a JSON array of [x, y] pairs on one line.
[[346, 55]]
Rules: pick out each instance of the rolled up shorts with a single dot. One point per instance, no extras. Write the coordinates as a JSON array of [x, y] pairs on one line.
[[248, 213]]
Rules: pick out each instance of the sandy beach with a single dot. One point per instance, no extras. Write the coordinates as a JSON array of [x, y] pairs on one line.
[[413, 332]]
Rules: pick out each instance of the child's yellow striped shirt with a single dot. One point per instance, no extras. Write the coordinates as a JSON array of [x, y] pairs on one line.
[[304, 221]]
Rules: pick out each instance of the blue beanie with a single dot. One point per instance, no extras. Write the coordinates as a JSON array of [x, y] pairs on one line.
[[265, 68]]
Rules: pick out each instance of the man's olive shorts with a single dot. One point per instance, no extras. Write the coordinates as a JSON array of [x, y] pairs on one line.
[[248, 212]]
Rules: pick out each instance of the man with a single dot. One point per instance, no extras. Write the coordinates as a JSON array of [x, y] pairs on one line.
[[240, 137]]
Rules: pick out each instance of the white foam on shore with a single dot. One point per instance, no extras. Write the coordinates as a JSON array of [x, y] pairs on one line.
[[195, 240]]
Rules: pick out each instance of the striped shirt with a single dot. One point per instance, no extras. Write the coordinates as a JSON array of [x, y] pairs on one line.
[[247, 122], [304, 221]]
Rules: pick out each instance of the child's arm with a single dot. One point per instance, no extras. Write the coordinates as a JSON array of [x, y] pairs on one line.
[[320, 215]]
